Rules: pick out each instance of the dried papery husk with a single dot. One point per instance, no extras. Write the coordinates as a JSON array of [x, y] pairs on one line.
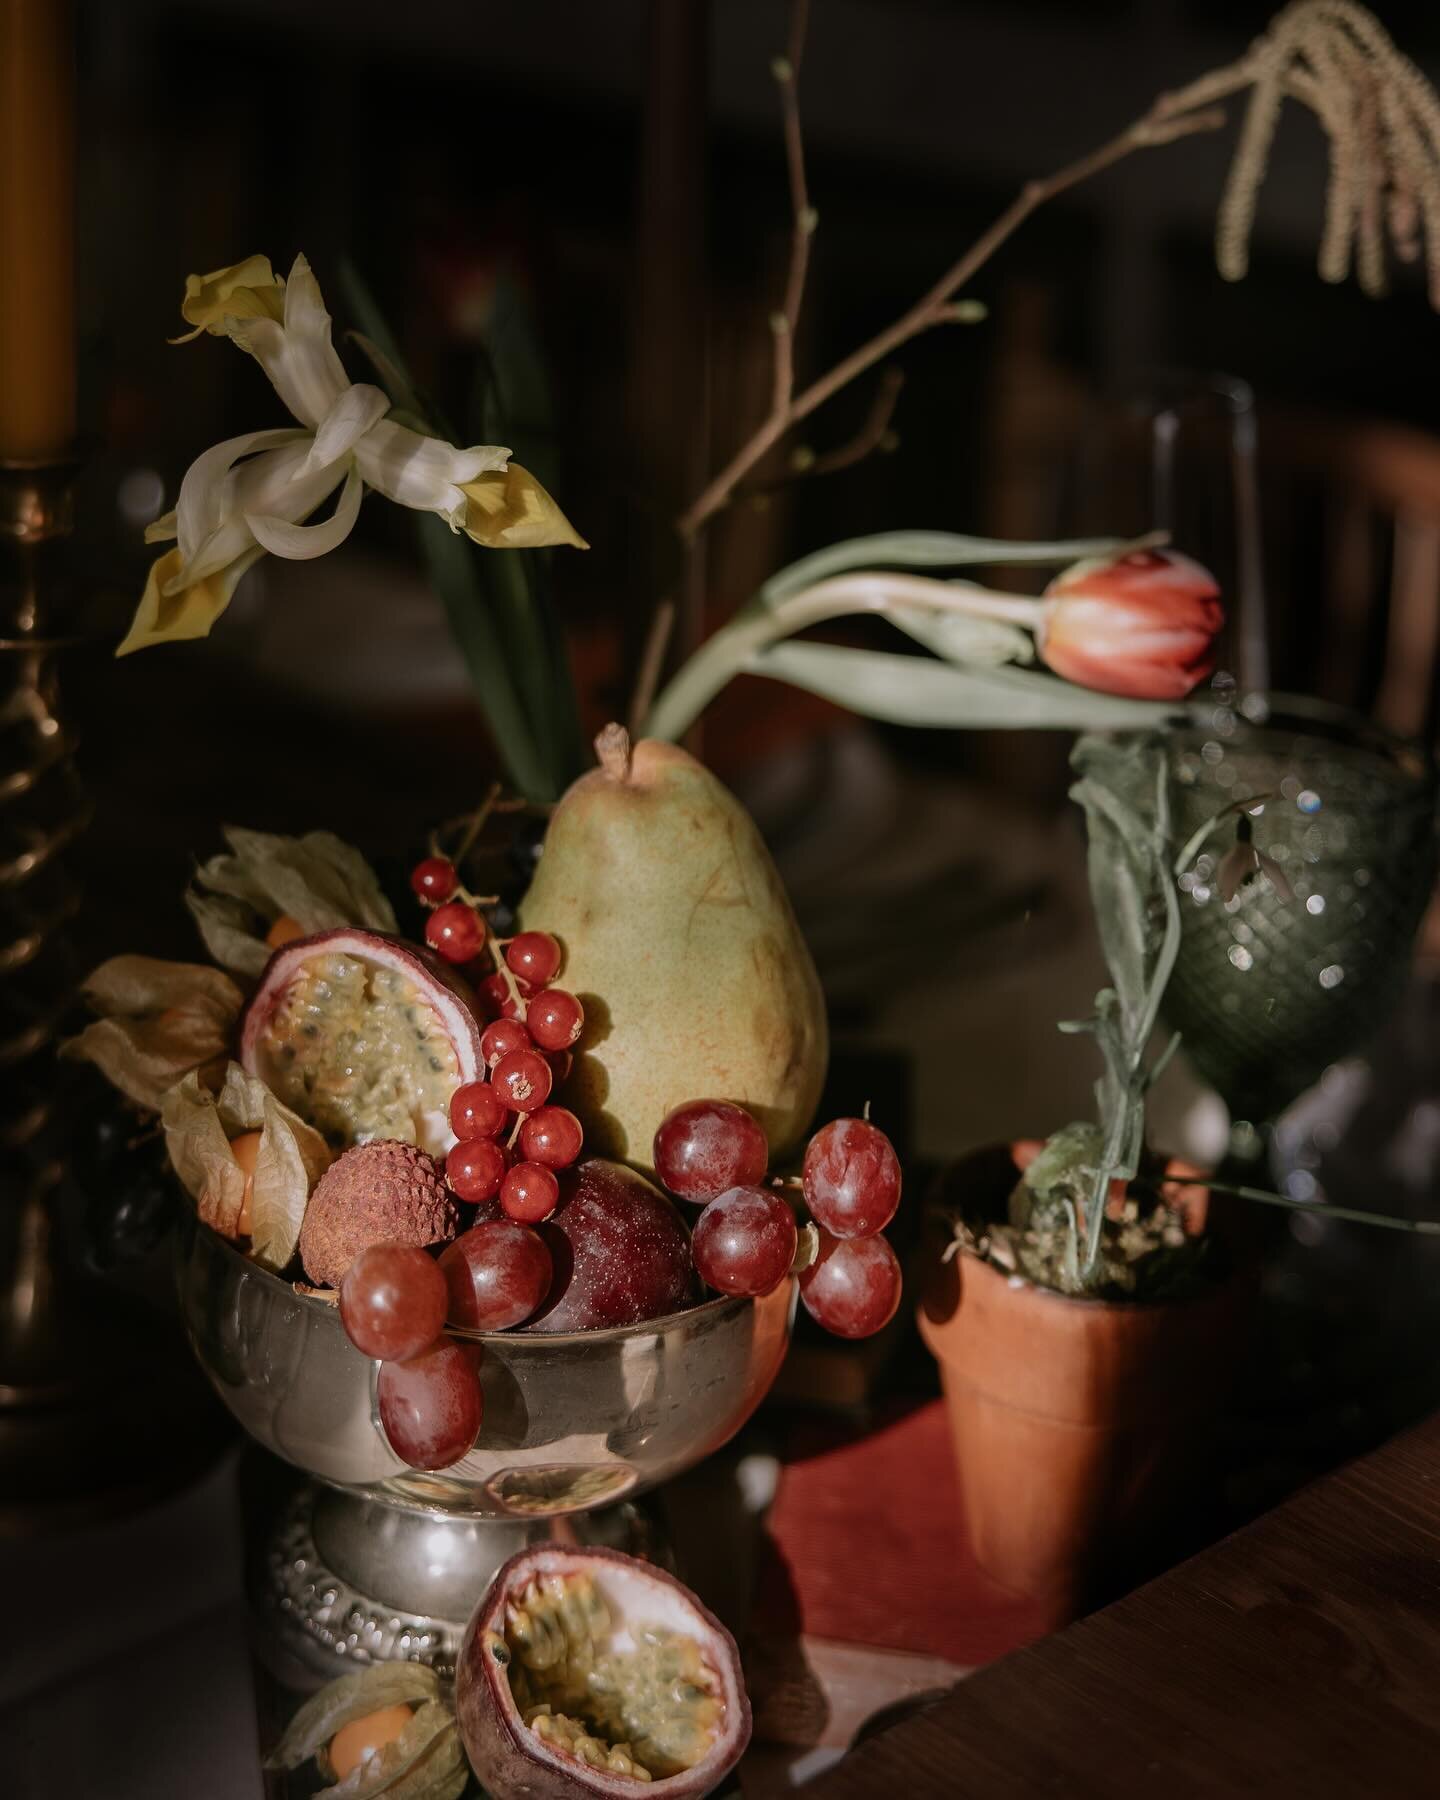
[[318, 880], [292, 1157], [158, 1022], [426, 1761]]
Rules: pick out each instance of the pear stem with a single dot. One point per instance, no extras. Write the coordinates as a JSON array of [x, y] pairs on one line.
[[612, 747]]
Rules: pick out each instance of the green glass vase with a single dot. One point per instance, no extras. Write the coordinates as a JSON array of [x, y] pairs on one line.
[[1268, 992]]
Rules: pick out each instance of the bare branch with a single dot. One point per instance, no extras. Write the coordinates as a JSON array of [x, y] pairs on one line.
[[657, 641], [786, 70], [844, 456], [1380, 114], [930, 309]]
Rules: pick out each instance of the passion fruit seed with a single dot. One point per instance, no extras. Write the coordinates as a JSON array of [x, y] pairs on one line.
[[570, 1734], [654, 1706], [363, 1036], [578, 1658]]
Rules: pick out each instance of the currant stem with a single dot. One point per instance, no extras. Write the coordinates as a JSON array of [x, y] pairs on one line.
[[503, 969], [477, 823]]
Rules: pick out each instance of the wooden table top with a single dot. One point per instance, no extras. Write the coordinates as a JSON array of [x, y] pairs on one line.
[[1300, 1657]]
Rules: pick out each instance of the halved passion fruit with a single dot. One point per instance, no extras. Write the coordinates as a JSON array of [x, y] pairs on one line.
[[585, 1672], [364, 1036]]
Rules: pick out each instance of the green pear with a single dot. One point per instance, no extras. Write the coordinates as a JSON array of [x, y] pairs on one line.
[[682, 944]]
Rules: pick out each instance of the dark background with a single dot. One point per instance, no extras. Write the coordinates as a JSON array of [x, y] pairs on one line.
[[444, 145]]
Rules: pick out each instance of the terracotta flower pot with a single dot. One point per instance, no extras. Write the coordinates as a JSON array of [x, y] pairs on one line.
[[1077, 1424]]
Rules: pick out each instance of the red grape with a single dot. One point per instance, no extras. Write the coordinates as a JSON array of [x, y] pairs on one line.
[[553, 1136], [475, 1168], [555, 1018], [431, 1406], [744, 1241], [392, 1301], [535, 955], [477, 1111], [522, 1079], [501, 1037], [496, 1000], [497, 1275], [455, 931], [708, 1146], [434, 880], [853, 1286], [852, 1178], [529, 1193]]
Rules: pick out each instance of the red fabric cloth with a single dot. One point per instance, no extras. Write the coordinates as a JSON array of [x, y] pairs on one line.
[[867, 1545]]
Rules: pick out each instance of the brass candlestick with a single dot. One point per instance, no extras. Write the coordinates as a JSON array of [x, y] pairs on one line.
[[98, 1404], [42, 810]]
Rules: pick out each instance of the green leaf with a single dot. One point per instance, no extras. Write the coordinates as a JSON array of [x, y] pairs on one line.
[[521, 680], [959, 638], [514, 408], [910, 690], [926, 550], [1128, 863], [473, 624], [516, 391], [406, 405]]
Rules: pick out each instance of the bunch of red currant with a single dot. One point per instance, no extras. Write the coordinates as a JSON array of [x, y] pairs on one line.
[[527, 1050], [747, 1238]]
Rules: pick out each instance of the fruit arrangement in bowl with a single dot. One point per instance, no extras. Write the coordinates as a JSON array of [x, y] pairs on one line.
[[407, 1269]]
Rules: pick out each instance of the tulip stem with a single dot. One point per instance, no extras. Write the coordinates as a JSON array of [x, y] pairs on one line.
[[726, 653]]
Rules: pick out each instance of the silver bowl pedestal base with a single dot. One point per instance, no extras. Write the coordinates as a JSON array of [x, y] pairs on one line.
[[337, 1579]]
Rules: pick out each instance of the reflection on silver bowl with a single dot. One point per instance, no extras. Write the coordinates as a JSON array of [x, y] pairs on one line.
[[572, 1420], [382, 1560]]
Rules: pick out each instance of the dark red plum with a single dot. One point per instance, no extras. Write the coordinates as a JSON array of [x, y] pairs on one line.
[[620, 1249]]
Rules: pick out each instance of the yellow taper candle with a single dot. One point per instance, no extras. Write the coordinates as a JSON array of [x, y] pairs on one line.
[[37, 230]]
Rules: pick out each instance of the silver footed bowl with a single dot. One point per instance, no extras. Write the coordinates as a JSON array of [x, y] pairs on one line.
[[572, 1420]]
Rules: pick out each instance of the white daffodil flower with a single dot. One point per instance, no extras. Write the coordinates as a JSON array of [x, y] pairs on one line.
[[253, 493]]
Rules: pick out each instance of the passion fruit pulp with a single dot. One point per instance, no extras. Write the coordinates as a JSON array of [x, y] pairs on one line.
[[363, 1036], [586, 1672]]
